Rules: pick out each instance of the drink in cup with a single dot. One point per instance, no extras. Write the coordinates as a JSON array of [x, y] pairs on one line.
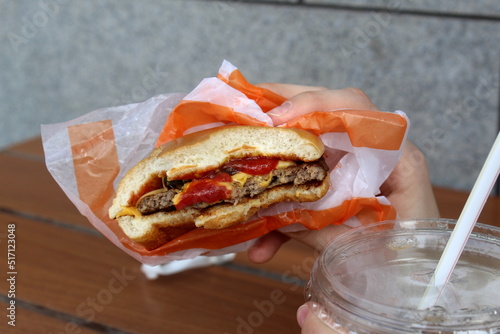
[[372, 279]]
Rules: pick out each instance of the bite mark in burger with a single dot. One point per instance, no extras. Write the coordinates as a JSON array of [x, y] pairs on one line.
[[217, 178]]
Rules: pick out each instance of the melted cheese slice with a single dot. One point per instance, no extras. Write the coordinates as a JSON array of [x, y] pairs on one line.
[[129, 211], [264, 183], [241, 178], [284, 164], [177, 198]]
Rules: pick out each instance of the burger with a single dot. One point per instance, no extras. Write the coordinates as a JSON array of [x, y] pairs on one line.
[[216, 178]]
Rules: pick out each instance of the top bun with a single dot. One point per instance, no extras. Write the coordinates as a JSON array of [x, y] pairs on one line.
[[209, 149]]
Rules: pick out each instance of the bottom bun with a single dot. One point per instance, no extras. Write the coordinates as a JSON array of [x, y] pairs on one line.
[[154, 230]]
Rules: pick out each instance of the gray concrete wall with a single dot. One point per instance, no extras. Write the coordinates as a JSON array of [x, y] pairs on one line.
[[438, 61]]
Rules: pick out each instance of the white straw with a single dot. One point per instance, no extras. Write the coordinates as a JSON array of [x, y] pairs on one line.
[[465, 224]]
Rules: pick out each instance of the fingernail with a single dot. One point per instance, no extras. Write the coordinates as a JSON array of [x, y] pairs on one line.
[[281, 110], [302, 314]]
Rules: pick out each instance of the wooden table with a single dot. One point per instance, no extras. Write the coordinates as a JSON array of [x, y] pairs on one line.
[[70, 279]]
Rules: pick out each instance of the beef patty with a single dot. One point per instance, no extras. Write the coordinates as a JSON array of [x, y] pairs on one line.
[[297, 174]]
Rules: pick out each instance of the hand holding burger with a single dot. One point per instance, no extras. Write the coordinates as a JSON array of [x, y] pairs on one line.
[[408, 187]]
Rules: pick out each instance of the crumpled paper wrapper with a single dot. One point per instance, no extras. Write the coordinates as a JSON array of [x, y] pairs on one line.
[[89, 155]]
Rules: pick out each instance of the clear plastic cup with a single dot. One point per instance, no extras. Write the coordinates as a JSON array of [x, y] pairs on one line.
[[372, 280]]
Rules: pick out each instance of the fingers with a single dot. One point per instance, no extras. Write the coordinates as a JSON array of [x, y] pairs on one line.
[[408, 187], [288, 90], [303, 100], [310, 323], [265, 248], [320, 100]]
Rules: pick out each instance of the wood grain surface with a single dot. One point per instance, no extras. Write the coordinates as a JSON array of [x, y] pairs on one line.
[[70, 279]]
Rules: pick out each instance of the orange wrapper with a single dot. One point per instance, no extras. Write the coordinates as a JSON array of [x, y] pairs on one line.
[[88, 156]]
